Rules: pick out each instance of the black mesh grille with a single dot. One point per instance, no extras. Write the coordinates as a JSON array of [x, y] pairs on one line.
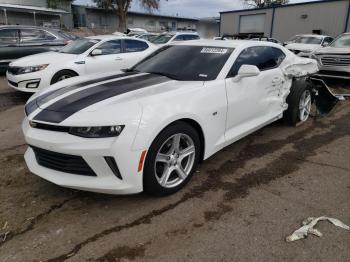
[[13, 69], [61, 162]]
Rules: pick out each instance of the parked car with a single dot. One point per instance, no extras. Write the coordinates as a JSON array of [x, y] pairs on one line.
[[147, 36], [334, 60], [304, 45], [266, 39], [147, 129], [20, 41], [167, 38], [97, 54], [135, 31]]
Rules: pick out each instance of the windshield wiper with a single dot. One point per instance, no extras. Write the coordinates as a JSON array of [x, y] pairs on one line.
[[168, 75]]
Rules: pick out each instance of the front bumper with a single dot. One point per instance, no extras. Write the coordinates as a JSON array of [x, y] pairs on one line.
[[93, 151], [31, 82]]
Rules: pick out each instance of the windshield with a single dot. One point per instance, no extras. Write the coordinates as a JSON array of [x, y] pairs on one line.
[[162, 39], [308, 40], [186, 63], [341, 41], [79, 46], [67, 35]]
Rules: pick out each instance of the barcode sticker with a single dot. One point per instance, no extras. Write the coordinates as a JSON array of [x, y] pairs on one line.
[[213, 50]]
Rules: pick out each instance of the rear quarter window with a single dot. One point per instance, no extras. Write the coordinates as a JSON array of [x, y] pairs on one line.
[[134, 46]]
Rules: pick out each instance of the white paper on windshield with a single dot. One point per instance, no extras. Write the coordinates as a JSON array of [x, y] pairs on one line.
[[213, 50]]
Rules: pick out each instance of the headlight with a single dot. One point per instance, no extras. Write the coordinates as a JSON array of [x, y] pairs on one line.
[[31, 69], [96, 131]]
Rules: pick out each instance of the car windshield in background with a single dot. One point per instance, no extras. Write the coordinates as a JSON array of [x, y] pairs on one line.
[[79, 46], [162, 39], [308, 40], [67, 35], [342, 41], [186, 63]]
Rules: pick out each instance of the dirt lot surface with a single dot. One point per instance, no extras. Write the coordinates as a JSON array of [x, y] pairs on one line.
[[239, 206]]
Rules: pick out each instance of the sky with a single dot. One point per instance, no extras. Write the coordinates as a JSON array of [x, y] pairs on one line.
[[190, 8]]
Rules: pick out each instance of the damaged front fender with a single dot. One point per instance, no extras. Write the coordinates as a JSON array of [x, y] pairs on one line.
[[296, 67]]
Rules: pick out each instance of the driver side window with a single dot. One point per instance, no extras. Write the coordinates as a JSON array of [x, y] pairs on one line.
[[263, 57], [110, 47]]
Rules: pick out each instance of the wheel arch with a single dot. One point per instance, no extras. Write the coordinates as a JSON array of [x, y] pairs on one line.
[[61, 70], [196, 125]]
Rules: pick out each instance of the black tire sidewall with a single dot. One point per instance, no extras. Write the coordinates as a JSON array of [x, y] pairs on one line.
[[150, 182]]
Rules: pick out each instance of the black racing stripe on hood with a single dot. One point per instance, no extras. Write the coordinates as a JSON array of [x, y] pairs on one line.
[[69, 105], [44, 98]]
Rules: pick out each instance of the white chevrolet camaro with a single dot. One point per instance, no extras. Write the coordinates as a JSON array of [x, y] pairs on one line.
[[97, 54], [147, 129]]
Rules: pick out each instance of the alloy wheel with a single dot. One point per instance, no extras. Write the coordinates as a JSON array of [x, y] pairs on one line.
[[305, 105], [175, 160]]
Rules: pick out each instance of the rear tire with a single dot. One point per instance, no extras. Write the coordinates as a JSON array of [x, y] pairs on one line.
[[62, 75], [171, 160], [299, 102]]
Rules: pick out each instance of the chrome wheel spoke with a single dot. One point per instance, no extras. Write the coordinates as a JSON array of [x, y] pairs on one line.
[[176, 143], [187, 152], [166, 174], [179, 170], [163, 158]]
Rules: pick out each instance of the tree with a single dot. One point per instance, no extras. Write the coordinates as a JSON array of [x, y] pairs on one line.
[[122, 6], [264, 3]]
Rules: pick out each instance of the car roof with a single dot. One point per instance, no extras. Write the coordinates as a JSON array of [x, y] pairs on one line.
[[28, 27], [225, 44], [107, 37], [314, 35]]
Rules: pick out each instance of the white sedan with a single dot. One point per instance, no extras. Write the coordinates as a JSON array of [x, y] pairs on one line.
[[92, 55], [147, 129], [304, 45]]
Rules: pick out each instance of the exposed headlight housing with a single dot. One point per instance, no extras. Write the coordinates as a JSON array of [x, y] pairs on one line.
[[97, 131], [31, 69]]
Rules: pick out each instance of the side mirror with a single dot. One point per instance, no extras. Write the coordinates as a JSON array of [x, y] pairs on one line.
[[96, 52], [247, 71]]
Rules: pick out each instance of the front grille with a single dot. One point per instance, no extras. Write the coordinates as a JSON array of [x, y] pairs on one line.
[[13, 83], [13, 69], [335, 60], [75, 165]]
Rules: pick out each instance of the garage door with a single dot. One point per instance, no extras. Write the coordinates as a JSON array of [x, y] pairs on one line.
[[252, 23]]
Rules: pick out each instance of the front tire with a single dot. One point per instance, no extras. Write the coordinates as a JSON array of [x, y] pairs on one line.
[[299, 102], [62, 75], [171, 159]]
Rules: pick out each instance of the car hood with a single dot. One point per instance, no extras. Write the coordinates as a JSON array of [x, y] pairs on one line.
[[333, 50], [302, 47], [43, 58], [111, 93]]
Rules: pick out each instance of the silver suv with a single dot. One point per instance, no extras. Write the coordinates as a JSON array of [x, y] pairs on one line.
[[334, 60]]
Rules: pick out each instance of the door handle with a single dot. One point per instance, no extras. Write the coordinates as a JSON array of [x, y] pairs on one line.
[[118, 59]]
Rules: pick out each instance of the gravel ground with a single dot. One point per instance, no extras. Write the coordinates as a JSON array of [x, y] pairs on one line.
[[239, 206]]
